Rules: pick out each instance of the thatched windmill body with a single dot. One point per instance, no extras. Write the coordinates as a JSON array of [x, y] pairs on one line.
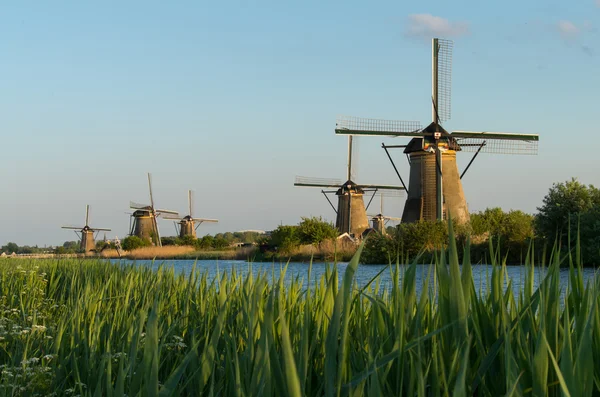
[[86, 233], [144, 224], [188, 225], [435, 187], [351, 214]]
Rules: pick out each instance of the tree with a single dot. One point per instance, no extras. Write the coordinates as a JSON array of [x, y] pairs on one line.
[[220, 243], [206, 242], [188, 240], [564, 201], [134, 242], [285, 238], [71, 245], [315, 230], [10, 248], [512, 226]]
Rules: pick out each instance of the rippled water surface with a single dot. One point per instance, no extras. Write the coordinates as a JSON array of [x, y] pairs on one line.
[[364, 274]]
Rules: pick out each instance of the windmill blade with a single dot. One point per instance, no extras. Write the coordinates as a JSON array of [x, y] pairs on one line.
[[72, 227], [87, 215], [174, 218], [389, 193], [99, 229], [348, 125], [137, 206], [392, 218], [150, 188], [155, 223], [508, 136], [205, 220], [317, 182], [443, 56], [190, 202], [497, 142], [384, 187], [159, 211]]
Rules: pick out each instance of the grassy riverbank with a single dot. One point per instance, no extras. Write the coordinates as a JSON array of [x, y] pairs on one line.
[[91, 328]]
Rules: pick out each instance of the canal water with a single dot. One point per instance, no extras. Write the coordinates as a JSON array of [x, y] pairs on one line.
[[364, 274]]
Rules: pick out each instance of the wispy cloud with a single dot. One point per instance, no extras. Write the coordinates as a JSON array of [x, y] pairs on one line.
[[428, 26], [574, 34], [567, 29]]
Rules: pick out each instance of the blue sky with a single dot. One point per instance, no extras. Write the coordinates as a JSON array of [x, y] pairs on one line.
[[233, 99]]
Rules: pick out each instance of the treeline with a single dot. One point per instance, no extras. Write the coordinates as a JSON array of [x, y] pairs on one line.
[[10, 248], [569, 212], [217, 242]]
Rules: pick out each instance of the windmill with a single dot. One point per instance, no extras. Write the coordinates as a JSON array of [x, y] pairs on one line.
[[435, 186], [188, 224], [351, 212], [86, 233], [144, 219], [379, 220]]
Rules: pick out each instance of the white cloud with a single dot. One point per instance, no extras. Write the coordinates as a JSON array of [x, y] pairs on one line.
[[428, 26], [567, 29]]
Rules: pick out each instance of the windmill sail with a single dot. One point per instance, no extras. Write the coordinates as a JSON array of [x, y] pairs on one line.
[[317, 182], [349, 125], [442, 79]]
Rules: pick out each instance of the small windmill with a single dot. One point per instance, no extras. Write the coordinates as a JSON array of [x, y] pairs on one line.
[[435, 186], [188, 224], [351, 212], [379, 220], [144, 217], [86, 234]]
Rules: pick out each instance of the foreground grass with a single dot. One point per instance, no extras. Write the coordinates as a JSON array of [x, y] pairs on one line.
[[74, 327]]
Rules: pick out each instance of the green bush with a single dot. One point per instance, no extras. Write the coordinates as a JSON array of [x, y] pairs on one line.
[[285, 238], [220, 243], [130, 243], [315, 230], [206, 242]]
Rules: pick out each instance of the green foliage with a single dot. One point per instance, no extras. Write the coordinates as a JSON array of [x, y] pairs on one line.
[[10, 248], [315, 230], [285, 238], [380, 249], [564, 201], [220, 243], [101, 245], [130, 243], [206, 242], [107, 329], [60, 250], [71, 245], [165, 241], [572, 209], [412, 238], [512, 226], [188, 240]]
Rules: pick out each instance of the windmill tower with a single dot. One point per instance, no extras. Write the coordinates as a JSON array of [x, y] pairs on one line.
[[144, 217], [435, 186], [86, 234], [351, 211], [379, 220], [188, 224]]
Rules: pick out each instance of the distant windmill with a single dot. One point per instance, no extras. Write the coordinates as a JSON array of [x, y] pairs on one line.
[[86, 233], [351, 212], [144, 219], [188, 224], [379, 221], [435, 186]]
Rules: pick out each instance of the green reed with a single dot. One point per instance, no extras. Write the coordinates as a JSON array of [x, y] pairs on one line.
[[93, 328]]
